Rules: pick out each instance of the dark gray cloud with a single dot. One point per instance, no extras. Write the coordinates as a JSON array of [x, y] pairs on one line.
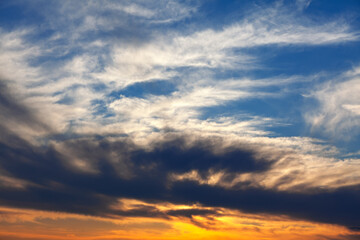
[[58, 188], [14, 115], [126, 170], [344, 237], [12, 109], [189, 213]]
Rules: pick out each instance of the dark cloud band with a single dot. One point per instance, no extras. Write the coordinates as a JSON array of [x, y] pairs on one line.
[[126, 170]]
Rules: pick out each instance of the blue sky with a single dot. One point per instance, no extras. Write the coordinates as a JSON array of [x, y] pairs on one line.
[[280, 79]]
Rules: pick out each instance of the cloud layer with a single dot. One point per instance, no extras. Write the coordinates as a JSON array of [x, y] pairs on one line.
[[106, 103]]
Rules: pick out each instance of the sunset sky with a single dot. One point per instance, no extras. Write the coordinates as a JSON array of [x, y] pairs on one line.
[[210, 119]]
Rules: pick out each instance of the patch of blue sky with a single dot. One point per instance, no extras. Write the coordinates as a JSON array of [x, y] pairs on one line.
[[217, 13], [13, 15], [66, 100], [323, 9], [99, 87], [58, 50], [100, 108], [144, 89], [347, 144], [67, 95], [55, 58], [54, 18], [305, 60], [348, 148], [286, 112]]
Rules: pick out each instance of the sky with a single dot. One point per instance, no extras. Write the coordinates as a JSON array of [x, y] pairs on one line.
[[182, 119]]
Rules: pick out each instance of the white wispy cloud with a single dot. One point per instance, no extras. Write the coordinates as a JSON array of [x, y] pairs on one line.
[[182, 109], [302, 4], [75, 18], [15, 54], [338, 113], [63, 89], [218, 49]]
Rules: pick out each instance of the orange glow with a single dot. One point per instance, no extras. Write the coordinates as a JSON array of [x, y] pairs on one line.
[[16, 224]]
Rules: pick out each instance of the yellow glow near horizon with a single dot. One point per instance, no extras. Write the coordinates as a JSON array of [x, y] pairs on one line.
[[16, 224]]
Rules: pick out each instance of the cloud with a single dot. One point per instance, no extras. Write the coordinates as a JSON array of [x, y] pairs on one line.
[[19, 122], [302, 4], [223, 48], [182, 108], [123, 169], [109, 16], [73, 142], [67, 74], [14, 57], [338, 110], [60, 187]]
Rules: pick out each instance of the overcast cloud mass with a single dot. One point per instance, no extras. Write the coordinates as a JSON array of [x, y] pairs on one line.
[[173, 112]]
